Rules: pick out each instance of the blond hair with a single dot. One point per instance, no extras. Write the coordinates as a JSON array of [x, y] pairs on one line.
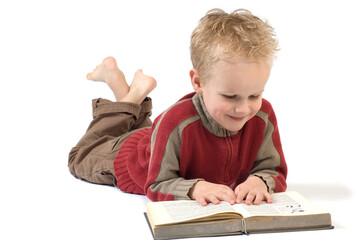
[[230, 37]]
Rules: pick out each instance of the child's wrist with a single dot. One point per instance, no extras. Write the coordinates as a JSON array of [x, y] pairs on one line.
[[265, 183], [191, 190]]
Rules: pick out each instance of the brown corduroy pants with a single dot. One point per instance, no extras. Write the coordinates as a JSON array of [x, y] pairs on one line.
[[92, 158]]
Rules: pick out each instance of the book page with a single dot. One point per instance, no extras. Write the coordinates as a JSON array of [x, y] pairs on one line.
[[179, 211], [284, 204]]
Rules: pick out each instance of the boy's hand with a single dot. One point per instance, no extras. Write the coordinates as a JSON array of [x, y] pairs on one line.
[[253, 190], [205, 192]]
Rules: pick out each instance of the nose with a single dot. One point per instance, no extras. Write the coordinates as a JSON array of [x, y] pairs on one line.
[[242, 107]]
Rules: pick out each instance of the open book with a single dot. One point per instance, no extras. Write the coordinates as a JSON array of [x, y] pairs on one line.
[[186, 218]]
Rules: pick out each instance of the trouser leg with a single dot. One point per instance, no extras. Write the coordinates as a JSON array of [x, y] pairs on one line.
[[92, 158]]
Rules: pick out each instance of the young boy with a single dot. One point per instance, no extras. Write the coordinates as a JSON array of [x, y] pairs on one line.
[[220, 143]]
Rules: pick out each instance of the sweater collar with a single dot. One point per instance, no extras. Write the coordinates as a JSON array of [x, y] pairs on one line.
[[208, 122]]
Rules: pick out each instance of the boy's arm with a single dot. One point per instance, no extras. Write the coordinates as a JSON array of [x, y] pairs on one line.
[[163, 180], [270, 164], [169, 186]]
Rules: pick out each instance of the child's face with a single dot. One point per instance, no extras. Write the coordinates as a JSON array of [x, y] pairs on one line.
[[233, 92]]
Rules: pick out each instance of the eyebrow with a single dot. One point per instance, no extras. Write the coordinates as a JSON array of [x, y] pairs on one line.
[[233, 94], [258, 92]]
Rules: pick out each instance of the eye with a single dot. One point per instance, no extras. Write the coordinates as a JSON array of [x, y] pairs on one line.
[[229, 96], [254, 96]]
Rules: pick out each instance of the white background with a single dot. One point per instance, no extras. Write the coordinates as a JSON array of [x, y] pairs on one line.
[[48, 47]]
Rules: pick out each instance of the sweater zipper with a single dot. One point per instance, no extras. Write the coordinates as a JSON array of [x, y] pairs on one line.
[[229, 160]]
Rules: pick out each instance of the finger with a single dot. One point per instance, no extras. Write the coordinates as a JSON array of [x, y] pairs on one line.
[[228, 196], [258, 199], [236, 191], [213, 199], [240, 196], [249, 199], [202, 201], [268, 197]]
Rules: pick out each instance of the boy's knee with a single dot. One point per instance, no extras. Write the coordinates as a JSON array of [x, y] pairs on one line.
[[72, 162]]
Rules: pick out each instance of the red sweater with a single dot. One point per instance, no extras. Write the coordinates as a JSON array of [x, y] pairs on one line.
[[186, 145]]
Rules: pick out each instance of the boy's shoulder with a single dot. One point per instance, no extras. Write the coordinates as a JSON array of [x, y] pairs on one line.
[[180, 111], [188, 96], [183, 108], [266, 112], [266, 106]]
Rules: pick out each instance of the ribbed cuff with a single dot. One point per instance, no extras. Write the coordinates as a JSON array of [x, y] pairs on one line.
[[104, 106], [183, 188]]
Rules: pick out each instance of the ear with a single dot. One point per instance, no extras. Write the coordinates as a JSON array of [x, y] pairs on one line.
[[196, 83]]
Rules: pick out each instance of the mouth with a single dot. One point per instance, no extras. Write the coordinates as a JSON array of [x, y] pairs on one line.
[[238, 119]]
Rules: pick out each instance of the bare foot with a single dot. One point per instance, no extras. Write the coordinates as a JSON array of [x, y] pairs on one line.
[[141, 86], [109, 73]]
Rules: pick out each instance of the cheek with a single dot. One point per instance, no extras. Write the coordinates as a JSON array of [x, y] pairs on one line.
[[256, 106], [217, 109], [222, 107]]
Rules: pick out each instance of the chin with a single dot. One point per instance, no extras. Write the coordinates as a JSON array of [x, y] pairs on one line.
[[234, 128]]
